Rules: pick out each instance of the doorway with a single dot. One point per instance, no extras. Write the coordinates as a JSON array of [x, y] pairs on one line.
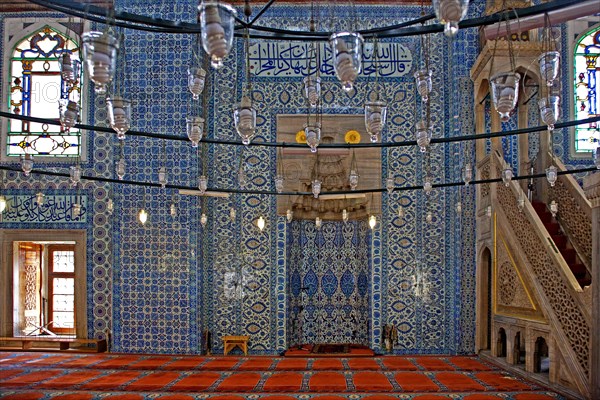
[[45, 294]]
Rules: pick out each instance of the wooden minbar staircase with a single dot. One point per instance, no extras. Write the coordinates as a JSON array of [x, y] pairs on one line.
[[562, 243]]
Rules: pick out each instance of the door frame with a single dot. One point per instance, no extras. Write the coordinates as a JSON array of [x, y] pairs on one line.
[[8, 237]]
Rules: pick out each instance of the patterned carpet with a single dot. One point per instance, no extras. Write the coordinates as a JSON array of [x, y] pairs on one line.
[[57, 376]]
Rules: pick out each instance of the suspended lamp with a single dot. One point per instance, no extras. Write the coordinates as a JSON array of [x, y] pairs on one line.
[[353, 176], [550, 110], [429, 217], [216, 25], [120, 168], [100, 56], [70, 68], [401, 213], [195, 129], [507, 175], [162, 176], [312, 131], [347, 57], [68, 114], [345, 215], [375, 117], [289, 215], [372, 221], [202, 184], [318, 222], [76, 210], [232, 214], [260, 223], [424, 83], [196, 80], [110, 205], [505, 89], [143, 216], [423, 133], [39, 198], [450, 13], [279, 176], [427, 185], [553, 208], [75, 174], [390, 184], [315, 179], [549, 66], [119, 115], [521, 201], [173, 210], [27, 164], [312, 90], [203, 219], [245, 120], [467, 173], [458, 207], [552, 175]]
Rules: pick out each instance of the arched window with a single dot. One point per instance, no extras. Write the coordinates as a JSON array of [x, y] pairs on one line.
[[587, 98], [35, 88]]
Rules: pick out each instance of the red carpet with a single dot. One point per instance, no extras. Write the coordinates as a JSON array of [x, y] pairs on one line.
[[52, 376]]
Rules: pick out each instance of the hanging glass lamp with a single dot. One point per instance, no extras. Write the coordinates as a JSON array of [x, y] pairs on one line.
[[390, 183], [423, 133], [507, 175], [372, 221], [3, 204], [316, 188], [75, 174], [260, 222], [76, 210], [39, 198], [162, 177], [68, 114], [27, 164], [120, 169], [279, 183], [195, 129], [552, 175], [549, 66], [458, 207], [450, 13], [289, 215], [375, 116], [553, 208], [70, 68], [312, 131], [100, 56], [216, 24], [232, 214], [312, 90], [401, 212], [505, 93], [318, 222], [347, 57], [202, 184], [467, 173], [427, 185], [110, 205], [196, 79], [429, 217], [244, 118], [119, 115], [345, 215], [424, 83], [550, 110]]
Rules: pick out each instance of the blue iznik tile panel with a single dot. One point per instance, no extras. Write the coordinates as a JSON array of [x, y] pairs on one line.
[[329, 283]]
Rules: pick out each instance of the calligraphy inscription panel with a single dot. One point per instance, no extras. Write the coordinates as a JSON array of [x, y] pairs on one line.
[[294, 59], [55, 208]]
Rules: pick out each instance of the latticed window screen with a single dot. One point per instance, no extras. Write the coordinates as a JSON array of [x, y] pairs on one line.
[[587, 100], [35, 90], [61, 288]]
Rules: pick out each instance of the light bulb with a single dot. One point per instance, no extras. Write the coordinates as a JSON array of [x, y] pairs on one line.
[[427, 185], [423, 133], [289, 215], [450, 13], [505, 93], [203, 219], [372, 221], [39, 198], [347, 56], [260, 222], [173, 210], [318, 222], [68, 114], [345, 215], [244, 118], [119, 115], [76, 210], [312, 90], [3, 204], [507, 175], [549, 66], [424, 83], [143, 216], [313, 136], [196, 79], [549, 110], [216, 23], [100, 55], [429, 217], [195, 129]]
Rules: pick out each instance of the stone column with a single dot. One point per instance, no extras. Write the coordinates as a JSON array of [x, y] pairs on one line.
[[591, 187]]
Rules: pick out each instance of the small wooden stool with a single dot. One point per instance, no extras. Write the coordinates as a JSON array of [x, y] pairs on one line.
[[230, 342]]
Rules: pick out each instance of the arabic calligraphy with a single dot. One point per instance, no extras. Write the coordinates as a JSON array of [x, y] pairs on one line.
[[55, 208], [297, 59]]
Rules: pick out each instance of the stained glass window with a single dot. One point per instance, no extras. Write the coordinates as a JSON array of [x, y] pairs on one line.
[[587, 100], [35, 90]]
